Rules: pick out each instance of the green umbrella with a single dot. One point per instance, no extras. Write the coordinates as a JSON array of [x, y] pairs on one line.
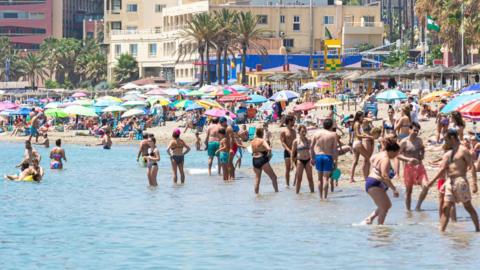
[[56, 113], [80, 110], [195, 93]]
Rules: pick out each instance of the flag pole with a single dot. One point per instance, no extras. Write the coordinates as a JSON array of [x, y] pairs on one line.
[[425, 42]]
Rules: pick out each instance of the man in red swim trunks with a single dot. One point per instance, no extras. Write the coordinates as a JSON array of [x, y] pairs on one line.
[[412, 147]]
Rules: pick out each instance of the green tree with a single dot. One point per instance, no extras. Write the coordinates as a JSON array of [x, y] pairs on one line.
[[126, 69], [34, 68], [48, 51], [224, 39]]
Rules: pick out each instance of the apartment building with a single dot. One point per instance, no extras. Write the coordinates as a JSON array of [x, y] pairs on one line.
[[151, 32], [28, 22]]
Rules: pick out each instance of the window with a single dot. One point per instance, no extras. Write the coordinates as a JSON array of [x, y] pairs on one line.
[[262, 19], [282, 18], [118, 49], [288, 42], [116, 5], [159, 8], [328, 19], [368, 21], [296, 23], [132, 8], [10, 15], [132, 28], [133, 50], [152, 49], [116, 25], [331, 2]]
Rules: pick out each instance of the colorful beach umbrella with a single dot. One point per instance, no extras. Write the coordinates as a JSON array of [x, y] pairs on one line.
[[267, 106], [235, 97], [133, 103], [105, 103], [391, 95], [471, 109], [220, 92], [79, 110], [56, 113], [458, 101], [7, 105], [285, 95], [195, 93], [327, 102], [156, 92], [133, 112], [114, 108], [193, 107], [52, 105], [208, 103], [218, 112], [435, 96], [208, 88], [240, 88], [161, 100], [83, 102], [306, 106], [473, 87], [256, 99], [129, 86], [313, 85], [79, 95], [116, 99], [181, 104]]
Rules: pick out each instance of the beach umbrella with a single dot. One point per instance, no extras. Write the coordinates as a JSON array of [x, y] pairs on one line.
[[240, 88], [391, 95], [133, 92], [129, 86], [470, 109], [66, 104], [256, 99], [219, 112], [22, 111], [267, 106], [52, 105], [83, 102], [7, 105], [327, 102], [161, 100], [208, 88], [235, 97], [220, 92], [209, 104], [435, 96], [180, 104], [133, 103], [313, 85], [32, 100], [458, 101], [79, 95], [193, 107], [172, 92], [133, 112], [156, 92], [132, 97], [6, 112], [116, 99], [473, 87], [195, 93], [114, 108], [148, 86], [56, 113], [80, 110], [285, 95], [105, 103], [306, 106]]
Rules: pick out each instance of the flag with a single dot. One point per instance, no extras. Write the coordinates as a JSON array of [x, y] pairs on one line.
[[328, 35], [432, 25]]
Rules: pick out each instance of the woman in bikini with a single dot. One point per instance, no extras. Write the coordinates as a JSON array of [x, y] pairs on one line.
[[442, 126], [261, 152], [402, 126], [177, 155], [301, 157], [57, 155], [358, 148], [388, 126], [458, 124], [152, 162], [31, 173]]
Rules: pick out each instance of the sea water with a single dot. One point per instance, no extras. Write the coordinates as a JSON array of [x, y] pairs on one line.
[[98, 213]]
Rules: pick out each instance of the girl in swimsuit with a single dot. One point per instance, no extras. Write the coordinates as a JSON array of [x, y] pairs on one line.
[[301, 157], [152, 162], [34, 171], [379, 180], [261, 152], [402, 126], [358, 148], [175, 151], [388, 126], [442, 125], [56, 156], [458, 124]]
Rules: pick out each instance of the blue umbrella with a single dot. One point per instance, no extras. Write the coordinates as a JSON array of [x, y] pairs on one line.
[[32, 100], [285, 95], [473, 87], [22, 111], [256, 99], [458, 101], [391, 95], [105, 103], [193, 107]]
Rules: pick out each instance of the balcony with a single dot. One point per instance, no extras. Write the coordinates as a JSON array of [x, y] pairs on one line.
[[363, 28]]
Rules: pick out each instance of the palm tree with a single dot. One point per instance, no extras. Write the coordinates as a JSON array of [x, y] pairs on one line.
[[48, 51], [226, 20], [34, 68], [67, 51], [248, 37], [126, 69]]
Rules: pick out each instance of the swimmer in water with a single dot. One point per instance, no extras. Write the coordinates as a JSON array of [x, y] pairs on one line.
[[46, 141], [198, 141], [177, 155], [152, 162], [287, 136], [212, 143], [34, 171], [106, 141], [57, 155], [301, 157], [261, 153], [143, 150], [223, 153]]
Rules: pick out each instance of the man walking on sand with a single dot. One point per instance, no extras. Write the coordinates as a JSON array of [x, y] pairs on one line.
[[324, 155]]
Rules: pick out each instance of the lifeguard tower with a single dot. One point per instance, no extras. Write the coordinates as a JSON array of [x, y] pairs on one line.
[[332, 50]]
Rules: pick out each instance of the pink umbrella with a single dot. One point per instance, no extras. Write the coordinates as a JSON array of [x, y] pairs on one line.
[[46, 100], [79, 95], [304, 107], [235, 97], [64, 105], [218, 112], [156, 92], [7, 105]]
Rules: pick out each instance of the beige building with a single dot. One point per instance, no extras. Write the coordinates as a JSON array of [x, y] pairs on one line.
[[150, 29]]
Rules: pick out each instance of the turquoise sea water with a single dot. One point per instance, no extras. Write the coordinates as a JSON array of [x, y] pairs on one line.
[[98, 213]]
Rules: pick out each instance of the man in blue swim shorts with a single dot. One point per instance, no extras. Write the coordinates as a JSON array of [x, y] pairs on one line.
[[324, 152], [212, 143]]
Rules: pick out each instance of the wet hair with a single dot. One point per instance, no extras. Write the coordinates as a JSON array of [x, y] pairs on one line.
[[176, 135], [357, 117], [151, 135], [215, 120], [289, 119], [222, 131], [391, 145], [145, 136], [58, 142], [415, 125], [458, 119], [327, 124], [301, 127], [259, 132]]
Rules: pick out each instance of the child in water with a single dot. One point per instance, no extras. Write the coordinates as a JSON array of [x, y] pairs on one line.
[[198, 142]]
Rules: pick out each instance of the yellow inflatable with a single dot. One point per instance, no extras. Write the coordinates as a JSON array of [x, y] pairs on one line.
[[28, 178]]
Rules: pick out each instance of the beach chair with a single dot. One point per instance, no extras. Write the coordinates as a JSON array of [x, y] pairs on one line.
[[251, 133]]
